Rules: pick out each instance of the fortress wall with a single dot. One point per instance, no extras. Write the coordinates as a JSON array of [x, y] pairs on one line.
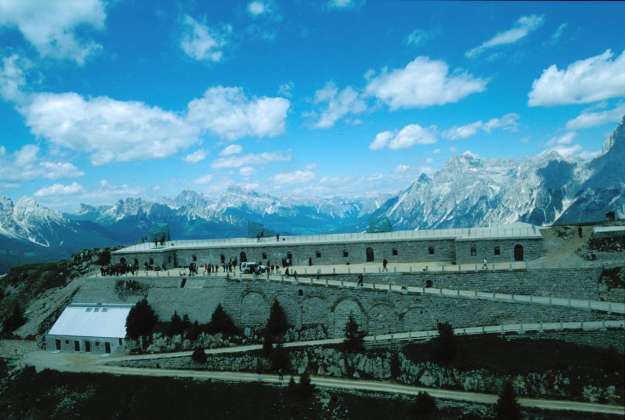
[[268, 250], [249, 301], [581, 283], [532, 249]]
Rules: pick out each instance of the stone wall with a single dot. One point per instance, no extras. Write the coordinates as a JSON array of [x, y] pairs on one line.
[[445, 250], [582, 283], [249, 301]]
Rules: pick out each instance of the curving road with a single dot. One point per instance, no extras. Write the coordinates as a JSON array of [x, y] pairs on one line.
[[83, 363]]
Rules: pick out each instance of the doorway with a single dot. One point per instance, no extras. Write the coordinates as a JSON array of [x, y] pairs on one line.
[[518, 253], [370, 256], [57, 344], [107, 347], [88, 346]]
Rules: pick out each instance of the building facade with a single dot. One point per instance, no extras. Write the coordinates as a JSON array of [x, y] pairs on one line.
[[447, 246]]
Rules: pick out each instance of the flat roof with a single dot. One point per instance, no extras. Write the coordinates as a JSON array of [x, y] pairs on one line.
[[608, 229], [515, 231], [92, 320]]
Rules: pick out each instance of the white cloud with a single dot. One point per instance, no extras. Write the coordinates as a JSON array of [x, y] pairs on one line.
[[422, 83], [567, 150], [286, 89], [259, 8], [201, 42], [521, 28], [584, 81], [436, 151], [195, 157], [338, 104], [418, 37], [107, 129], [25, 165], [246, 171], [555, 37], [229, 113], [344, 4], [564, 139], [251, 159], [59, 189], [233, 149], [295, 177], [203, 180], [407, 137], [507, 122], [52, 27], [589, 119], [401, 168], [12, 79]]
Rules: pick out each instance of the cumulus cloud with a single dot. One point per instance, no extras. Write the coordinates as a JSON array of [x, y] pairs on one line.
[[295, 177], [232, 149], [251, 159], [521, 28], [52, 27], [59, 189], [107, 129], [592, 79], [229, 113], [562, 140], [25, 164], [338, 103], [422, 83], [407, 137], [195, 157], [588, 119], [12, 79], [201, 42], [507, 122]]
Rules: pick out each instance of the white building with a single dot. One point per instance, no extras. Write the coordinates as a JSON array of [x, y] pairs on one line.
[[89, 328]]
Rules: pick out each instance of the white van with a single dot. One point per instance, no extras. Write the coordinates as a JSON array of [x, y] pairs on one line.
[[252, 267]]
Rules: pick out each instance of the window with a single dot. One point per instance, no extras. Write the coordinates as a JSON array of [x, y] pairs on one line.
[[318, 254], [194, 257], [431, 250], [497, 251], [66, 341], [473, 251], [105, 309], [395, 251], [300, 292], [264, 257], [428, 283], [345, 254], [88, 309], [120, 341], [222, 258], [97, 343], [151, 261], [96, 309]]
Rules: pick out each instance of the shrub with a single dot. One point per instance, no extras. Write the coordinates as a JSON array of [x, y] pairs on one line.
[[279, 359], [277, 324], [14, 321], [104, 257], [198, 355], [267, 344], [424, 406], [141, 320], [354, 338], [445, 347], [221, 323], [507, 407]]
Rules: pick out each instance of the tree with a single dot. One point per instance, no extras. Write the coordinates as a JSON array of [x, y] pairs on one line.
[[277, 324], [104, 257], [267, 344], [221, 323], [445, 346], [193, 331], [354, 338], [14, 321], [424, 406], [198, 355], [141, 320], [279, 359], [176, 326], [507, 407], [306, 388]]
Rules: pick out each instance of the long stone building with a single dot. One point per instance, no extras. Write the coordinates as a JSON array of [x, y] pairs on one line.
[[517, 242]]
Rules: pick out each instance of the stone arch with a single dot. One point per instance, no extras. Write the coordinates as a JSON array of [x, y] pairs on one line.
[[254, 309], [291, 309], [314, 311], [382, 319], [417, 318], [341, 313]]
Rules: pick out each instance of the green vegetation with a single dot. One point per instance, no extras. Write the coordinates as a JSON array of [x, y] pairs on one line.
[[425, 406], [141, 320], [277, 324], [104, 257], [199, 356], [614, 244], [354, 338], [614, 277], [445, 347], [14, 320], [221, 323], [507, 407]]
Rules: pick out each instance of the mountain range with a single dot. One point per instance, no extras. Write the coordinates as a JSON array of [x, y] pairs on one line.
[[466, 191]]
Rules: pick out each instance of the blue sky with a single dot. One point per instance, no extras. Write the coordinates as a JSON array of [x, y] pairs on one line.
[[100, 100]]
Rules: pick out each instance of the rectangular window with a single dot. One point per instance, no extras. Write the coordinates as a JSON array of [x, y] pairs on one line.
[[318, 254], [345, 254], [395, 251], [431, 250], [473, 251], [497, 251], [264, 256]]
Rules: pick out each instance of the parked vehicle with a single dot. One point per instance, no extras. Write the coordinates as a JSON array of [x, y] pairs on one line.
[[252, 267]]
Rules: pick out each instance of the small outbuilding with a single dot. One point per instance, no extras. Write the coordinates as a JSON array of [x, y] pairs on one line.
[[608, 231], [89, 328]]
